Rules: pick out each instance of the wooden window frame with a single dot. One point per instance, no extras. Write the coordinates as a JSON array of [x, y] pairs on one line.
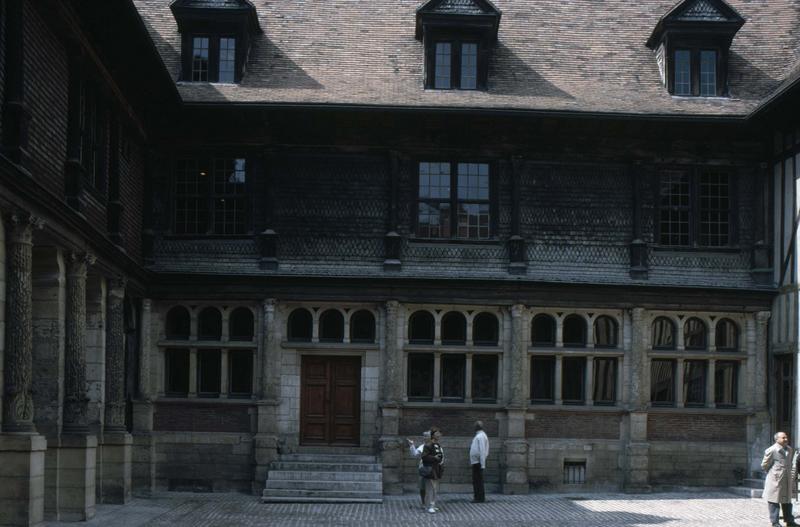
[[454, 200], [208, 195], [695, 210], [456, 40], [213, 56], [695, 48]]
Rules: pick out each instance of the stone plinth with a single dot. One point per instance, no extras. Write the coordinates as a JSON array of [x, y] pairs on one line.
[[392, 450], [637, 463], [115, 480], [515, 467], [76, 477], [22, 479]]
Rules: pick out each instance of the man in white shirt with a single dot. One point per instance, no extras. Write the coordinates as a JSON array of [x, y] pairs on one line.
[[477, 457]]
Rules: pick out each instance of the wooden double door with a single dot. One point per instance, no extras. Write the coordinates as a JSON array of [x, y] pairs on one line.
[[330, 402]]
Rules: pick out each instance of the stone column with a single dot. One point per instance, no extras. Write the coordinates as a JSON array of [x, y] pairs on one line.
[[78, 454], [18, 400], [391, 365], [21, 448], [515, 463], [637, 451], [759, 433], [116, 451], [266, 440]]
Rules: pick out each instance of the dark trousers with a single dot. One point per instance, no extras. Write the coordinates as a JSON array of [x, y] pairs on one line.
[[774, 508], [477, 482]]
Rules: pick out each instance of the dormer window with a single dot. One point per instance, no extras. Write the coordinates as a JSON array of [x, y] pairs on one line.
[[457, 37], [215, 38], [691, 44]]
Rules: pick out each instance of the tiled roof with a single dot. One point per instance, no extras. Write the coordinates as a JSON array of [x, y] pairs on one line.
[[551, 55]]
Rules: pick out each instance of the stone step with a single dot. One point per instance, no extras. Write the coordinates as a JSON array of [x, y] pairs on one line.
[[747, 492], [299, 499], [329, 458], [336, 450], [319, 496], [326, 467], [753, 483], [326, 485], [309, 475]]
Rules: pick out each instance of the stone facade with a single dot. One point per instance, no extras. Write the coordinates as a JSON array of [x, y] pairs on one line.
[[156, 339]]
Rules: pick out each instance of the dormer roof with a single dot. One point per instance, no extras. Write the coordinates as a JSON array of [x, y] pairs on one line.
[[241, 13], [467, 14], [712, 17]]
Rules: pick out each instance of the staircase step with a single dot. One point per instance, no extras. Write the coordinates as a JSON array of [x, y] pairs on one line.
[[329, 458], [299, 499], [327, 475], [327, 467], [336, 450], [360, 497], [747, 492], [753, 483], [359, 486]]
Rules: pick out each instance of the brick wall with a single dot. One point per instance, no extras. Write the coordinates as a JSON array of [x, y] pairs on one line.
[[331, 207], [559, 424], [696, 427], [131, 192], [451, 422], [46, 95], [199, 417], [204, 462]]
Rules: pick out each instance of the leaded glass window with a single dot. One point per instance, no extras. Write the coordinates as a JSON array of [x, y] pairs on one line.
[[675, 207], [708, 73], [469, 66], [484, 378], [714, 209], [463, 200], [443, 66], [694, 382], [453, 377], [543, 379], [726, 384], [662, 382], [604, 381], [420, 376], [227, 59], [683, 72], [573, 377]]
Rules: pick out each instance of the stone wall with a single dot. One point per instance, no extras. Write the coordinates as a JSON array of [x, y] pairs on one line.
[[697, 463], [602, 457], [194, 461]]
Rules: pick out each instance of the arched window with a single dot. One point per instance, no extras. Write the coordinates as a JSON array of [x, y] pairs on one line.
[[574, 331], [178, 325], [454, 328], [331, 326], [300, 325], [543, 330], [663, 334], [241, 324], [605, 332], [694, 334], [362, 326], [726, 335], [485, 330], [421, 328], [209, 324]]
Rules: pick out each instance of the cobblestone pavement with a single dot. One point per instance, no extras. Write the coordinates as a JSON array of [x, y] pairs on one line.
[[686, 509]]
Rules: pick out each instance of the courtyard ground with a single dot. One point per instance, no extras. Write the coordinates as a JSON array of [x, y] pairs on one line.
[[684, 509]]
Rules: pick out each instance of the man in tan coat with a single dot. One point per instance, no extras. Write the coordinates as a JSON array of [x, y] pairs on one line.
[[780, 462]]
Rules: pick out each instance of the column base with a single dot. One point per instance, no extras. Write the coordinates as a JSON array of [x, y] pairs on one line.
[[637, 476], [76, 477], [265, 447], [392, 462], [515, 467], [115, 478], [22, 479]]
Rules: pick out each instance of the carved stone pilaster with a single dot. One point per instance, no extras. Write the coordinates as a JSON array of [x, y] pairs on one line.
[[760, 359], [271, 365], [75, 399], [391, 362], [639, 392], [145, 391], [18, 400], [518, 354], [115, 357], [268, 245]]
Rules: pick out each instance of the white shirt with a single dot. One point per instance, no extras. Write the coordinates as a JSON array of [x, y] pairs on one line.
[[479, 449], [416, 451]]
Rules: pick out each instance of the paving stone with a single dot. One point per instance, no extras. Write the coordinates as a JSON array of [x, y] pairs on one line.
[[679, 509]]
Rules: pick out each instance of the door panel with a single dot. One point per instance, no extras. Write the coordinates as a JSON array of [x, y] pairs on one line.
[[330, 400]]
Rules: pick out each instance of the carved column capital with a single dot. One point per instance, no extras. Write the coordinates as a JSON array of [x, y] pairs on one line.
[[763, 316], [517, 310], [78, 263], [20, 226]]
